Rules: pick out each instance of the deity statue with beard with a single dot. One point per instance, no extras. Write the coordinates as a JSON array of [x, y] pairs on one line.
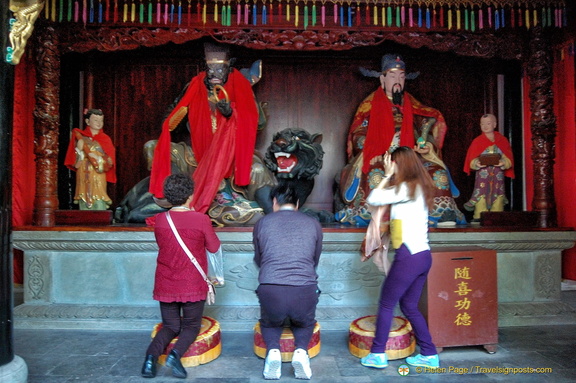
[[388, 118], [223, 119]]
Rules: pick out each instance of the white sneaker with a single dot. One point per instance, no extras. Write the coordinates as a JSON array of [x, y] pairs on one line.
[[273, 365], [301, 364]]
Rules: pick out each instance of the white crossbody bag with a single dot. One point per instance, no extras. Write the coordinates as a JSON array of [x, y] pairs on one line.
[[211, 297]]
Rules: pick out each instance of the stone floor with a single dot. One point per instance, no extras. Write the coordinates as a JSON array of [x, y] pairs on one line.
[[58, 356]]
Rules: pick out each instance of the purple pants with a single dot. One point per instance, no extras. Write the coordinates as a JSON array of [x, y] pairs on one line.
[[404, 284], [279, 303], [179, 319]]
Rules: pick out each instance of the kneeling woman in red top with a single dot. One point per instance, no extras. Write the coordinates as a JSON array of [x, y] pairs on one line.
[[178, 285]]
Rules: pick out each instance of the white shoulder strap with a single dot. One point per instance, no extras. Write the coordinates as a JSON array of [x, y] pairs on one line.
[[185, 248]]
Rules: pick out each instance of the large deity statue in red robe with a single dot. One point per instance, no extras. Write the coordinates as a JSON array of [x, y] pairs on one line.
[[223, 121], [390, 117]]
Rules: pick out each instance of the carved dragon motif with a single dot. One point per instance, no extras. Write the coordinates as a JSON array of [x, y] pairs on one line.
[[21, 29]]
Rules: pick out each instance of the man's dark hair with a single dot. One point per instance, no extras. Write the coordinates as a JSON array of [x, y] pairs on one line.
[[284, 194], [96, 112], [177, 188]]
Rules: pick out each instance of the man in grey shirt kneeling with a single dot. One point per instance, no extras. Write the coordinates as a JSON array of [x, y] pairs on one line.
[[287, 247]]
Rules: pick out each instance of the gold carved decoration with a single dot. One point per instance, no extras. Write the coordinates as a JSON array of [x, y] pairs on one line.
[[25, 13]]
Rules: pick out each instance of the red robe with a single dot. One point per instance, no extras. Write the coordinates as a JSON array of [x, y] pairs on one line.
[[380, 130], [105, 142], [481, 143], [219, 155]]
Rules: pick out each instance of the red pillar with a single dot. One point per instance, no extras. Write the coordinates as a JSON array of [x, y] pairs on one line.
[[564, 88]]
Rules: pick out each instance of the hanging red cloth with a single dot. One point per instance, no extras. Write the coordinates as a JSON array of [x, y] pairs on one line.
[[238, 131], [23, 164], [216, 165], [381, 125]]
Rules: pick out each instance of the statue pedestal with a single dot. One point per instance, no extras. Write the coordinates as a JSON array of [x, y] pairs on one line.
[[83, 217]]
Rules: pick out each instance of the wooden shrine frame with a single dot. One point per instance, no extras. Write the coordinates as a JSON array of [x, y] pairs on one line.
[[533, 48]]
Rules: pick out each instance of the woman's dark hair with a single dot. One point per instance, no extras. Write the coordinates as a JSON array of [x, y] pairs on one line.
[[411, 171], [284, 194], [177, 188]]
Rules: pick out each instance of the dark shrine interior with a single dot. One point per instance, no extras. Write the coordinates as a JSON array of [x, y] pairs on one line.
[[318, 91]]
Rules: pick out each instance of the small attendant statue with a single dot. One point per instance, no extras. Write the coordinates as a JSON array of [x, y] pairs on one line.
[[92, 155], [490, 155]]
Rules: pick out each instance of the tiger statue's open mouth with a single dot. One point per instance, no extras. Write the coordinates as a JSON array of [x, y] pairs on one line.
[[295, 154], [285, 161]]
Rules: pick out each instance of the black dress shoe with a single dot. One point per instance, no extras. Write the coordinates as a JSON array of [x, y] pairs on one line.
[[149, 367], [173, 361]]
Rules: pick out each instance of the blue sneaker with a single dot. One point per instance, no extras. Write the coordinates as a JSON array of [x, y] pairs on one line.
[[375, 360], [429, 361]]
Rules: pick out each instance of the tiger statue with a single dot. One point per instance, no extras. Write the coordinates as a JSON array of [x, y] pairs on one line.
[[295, 157]]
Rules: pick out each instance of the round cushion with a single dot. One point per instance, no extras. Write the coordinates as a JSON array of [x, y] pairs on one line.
[[401, 342], [286, 343], [205, 348]]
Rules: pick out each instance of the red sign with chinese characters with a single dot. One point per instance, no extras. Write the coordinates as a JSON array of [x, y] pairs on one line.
[[460, 300]]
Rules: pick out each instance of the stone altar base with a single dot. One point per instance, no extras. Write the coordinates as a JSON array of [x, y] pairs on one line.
[[97, 317], [102, 277]]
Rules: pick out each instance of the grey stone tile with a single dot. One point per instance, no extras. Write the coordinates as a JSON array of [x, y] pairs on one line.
[[102, 357], [84, 365], [106, 379], [229, 367], [37, 341], [127, 366], [536, 338], [321, 379], [84, 344], [564, 356], [157, 379], [564, 375], [47, 379], [322, 366], [40, 365], [237, 344]]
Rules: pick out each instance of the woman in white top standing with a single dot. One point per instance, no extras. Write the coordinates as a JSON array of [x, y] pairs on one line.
[[407, 187]]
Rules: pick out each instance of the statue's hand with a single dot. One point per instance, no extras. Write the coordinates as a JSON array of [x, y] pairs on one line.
[[478, 164], [224, 107], [422, 150], [97, 162], [375, 160]]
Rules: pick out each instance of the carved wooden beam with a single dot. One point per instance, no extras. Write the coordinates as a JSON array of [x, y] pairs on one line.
[[486, 45], [46, 121], [75, 38], [108, 39], [543, 127]]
